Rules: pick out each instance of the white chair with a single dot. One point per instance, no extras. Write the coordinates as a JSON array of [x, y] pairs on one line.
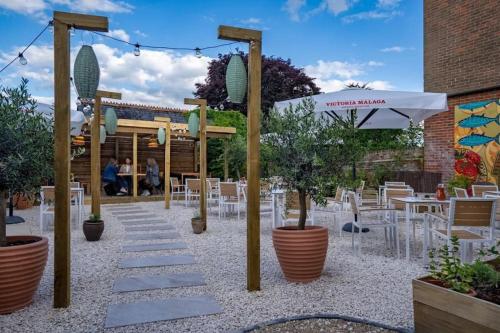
[[465, 218], [229, 196], [213, 191], [291, 209], [337, 205], [192, 190], [176, 188], [497, 215], [395, 184], [47, 198], [478, 190], [373, 218], [77, 199], [460, 192]]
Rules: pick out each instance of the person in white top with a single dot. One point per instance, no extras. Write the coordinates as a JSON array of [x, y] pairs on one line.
[[126, 175]]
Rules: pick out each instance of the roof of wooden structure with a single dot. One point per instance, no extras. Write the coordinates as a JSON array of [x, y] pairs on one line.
[[144, 112]]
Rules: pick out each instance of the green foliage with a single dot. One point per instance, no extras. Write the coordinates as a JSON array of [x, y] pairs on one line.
[[460, 181], [310, 154], [94, 218], [463, 277], [26, 145]]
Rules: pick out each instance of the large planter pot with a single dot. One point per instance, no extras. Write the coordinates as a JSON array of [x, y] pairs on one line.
[[301, 253], [93, 230], [441, 310], [198, 225], [21, 268]]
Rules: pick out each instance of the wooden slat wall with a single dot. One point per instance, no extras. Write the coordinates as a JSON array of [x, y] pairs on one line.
[[181, 158]]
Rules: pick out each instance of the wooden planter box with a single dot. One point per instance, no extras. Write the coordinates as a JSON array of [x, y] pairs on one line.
[[441, 310]]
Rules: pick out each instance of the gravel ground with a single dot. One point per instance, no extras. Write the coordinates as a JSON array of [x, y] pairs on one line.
[[375, 286], [322, 325]]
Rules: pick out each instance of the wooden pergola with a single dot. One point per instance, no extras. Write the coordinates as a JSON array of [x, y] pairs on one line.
[[144, 127]]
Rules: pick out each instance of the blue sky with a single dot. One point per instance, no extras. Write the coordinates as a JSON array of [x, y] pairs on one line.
[[336, 41]]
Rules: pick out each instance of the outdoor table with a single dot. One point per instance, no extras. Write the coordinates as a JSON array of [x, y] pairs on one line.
[[191, 174], [410, 202]]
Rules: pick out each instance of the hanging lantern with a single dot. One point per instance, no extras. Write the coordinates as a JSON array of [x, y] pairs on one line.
[[86, 72], [161, 136], [110, 120], [152, 143], [102, 135], [193, 124], [78, 140], [236, 79]]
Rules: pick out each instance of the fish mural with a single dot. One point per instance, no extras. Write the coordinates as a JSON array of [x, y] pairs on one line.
[[478, 121], [474, 140], [477, 134]]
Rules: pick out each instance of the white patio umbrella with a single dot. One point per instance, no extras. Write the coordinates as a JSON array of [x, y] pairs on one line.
[[376, 109]]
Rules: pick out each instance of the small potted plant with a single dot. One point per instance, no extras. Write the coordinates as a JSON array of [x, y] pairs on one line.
[[93, 228], [456, 296], [197, 223]]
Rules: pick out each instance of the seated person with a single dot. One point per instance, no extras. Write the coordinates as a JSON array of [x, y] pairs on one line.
[[113, 185], [152, 180], [126, 177]]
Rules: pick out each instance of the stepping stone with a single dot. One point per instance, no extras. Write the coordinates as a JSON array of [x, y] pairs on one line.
[[137, 283], [156, 261], [128, 212], [150, 228], [168, 309], [170, 235], [120, 207], [138, 222], [136, 217], [154, 247]]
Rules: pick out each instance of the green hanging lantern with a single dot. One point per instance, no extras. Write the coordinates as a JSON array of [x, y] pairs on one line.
[[193, 124], [161, 136], [111, 121], [86, 72], [236, 79], [102, 134]]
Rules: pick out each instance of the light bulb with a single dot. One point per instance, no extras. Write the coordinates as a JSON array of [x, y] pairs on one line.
[[51, 26], [197, 52], [137, 50], [22, 59]]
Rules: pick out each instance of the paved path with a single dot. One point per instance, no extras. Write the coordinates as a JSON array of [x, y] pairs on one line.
[[141, 226]]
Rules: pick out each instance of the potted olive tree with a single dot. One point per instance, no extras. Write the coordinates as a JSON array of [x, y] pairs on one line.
[[93, 227], [309, 154], [26, 152]]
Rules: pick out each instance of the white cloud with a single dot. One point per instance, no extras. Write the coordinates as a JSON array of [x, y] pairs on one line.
[[397, 49], [336, 75], [292, 7], [120, 34], [251, 20], [105, 6], [140, 33], [388, 4], [158, 77], [26, 7], [337, 6], [371, 15]]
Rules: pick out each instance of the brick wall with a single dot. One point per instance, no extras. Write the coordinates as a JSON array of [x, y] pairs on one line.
[[461, 45], [438, 134]]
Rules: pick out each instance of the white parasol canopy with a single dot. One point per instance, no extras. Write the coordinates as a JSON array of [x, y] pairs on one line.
[[376, 108]]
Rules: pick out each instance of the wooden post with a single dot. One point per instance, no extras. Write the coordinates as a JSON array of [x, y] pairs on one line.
[[167, 165], [95, 150], [226, 165], [202, 103], [134, 164], [62, 239], [254, 38]]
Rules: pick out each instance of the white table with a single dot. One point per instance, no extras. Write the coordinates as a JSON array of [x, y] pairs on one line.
[[411, 202]]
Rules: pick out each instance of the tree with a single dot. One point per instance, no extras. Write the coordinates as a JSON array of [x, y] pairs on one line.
[[26, 146], [280, 81], [309, 153]]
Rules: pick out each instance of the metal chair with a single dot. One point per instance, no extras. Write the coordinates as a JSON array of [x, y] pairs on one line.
[[176, 188], [192, 190], [229, 196], [478, 190]]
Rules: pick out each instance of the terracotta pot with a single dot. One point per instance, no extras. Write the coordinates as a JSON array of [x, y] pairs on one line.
[[198, 225], [301, 253], [93, 230], [21, 268]]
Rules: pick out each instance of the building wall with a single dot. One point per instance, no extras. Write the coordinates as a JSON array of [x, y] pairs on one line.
[[461, 58]]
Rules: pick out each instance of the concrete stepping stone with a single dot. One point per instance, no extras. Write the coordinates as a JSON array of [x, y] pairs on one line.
[[140, 222], [138, 216], [150, 228], [147, 282], [154, 247], [156, 261], [168, 309], [119, 207], [128, 212], [169, 235]]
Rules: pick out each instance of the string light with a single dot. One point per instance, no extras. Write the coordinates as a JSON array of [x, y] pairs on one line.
[[197, 52], [137, 50], [22, 59]]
